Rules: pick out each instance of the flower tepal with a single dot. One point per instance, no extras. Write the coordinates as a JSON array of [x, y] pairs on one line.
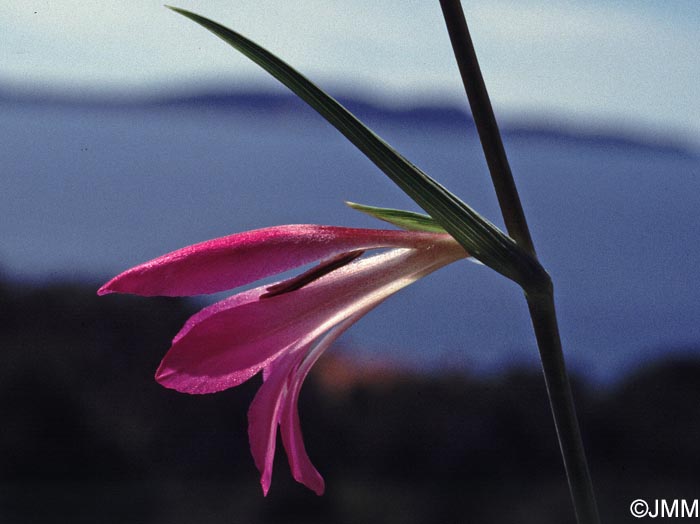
[[280, 329]]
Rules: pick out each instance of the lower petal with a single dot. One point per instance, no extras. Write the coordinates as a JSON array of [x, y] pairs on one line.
[[300, 464], [264, 416]]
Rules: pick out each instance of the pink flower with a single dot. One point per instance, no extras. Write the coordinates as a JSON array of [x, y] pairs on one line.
[[283, 328]]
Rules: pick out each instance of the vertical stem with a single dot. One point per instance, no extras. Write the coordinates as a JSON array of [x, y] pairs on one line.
[[486, 124], [544, 320], [540, 302]]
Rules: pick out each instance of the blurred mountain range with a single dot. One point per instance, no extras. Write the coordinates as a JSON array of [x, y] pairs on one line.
[[266, 101]]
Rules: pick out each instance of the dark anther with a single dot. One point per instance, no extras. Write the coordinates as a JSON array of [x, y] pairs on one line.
[[323, 268]]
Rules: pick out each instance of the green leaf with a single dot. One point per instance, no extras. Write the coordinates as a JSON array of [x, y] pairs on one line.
[[478, 236], [403, 219]]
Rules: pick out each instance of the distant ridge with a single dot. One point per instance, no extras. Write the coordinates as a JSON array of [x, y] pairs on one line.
[[256, 101], [279, 103]]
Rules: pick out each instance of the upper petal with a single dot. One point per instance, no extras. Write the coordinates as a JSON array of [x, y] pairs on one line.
[[234, 260]]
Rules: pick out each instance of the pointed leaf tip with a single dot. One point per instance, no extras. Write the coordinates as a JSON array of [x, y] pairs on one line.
[[478, 236]]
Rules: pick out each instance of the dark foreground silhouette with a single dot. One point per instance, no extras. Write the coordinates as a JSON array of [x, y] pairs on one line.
[[88, 436]]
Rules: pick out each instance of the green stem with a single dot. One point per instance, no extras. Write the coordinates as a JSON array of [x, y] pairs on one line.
[[541, 299], [544, 320], [486, 124]]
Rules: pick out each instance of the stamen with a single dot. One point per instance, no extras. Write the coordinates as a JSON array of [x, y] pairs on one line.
[[323, 268]]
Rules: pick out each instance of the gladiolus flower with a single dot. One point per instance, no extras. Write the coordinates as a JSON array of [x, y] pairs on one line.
[[283, 328]]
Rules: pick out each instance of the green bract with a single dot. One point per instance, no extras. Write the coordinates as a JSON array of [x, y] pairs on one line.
[[400, 218]]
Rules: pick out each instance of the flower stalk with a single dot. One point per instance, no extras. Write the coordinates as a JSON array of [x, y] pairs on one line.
[[544, 321], [540, 298]]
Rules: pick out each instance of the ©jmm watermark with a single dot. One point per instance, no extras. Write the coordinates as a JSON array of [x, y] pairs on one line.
[[674, 508]]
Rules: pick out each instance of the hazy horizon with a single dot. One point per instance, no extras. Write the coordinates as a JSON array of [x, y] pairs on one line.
[[631, 63]]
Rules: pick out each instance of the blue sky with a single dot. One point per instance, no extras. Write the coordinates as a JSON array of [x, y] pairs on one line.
[[630, 63]]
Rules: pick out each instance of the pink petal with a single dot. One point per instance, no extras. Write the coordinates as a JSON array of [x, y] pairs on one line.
[[231, 261], [227, 343], [278, 394], [300, 464], [264, 415]]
